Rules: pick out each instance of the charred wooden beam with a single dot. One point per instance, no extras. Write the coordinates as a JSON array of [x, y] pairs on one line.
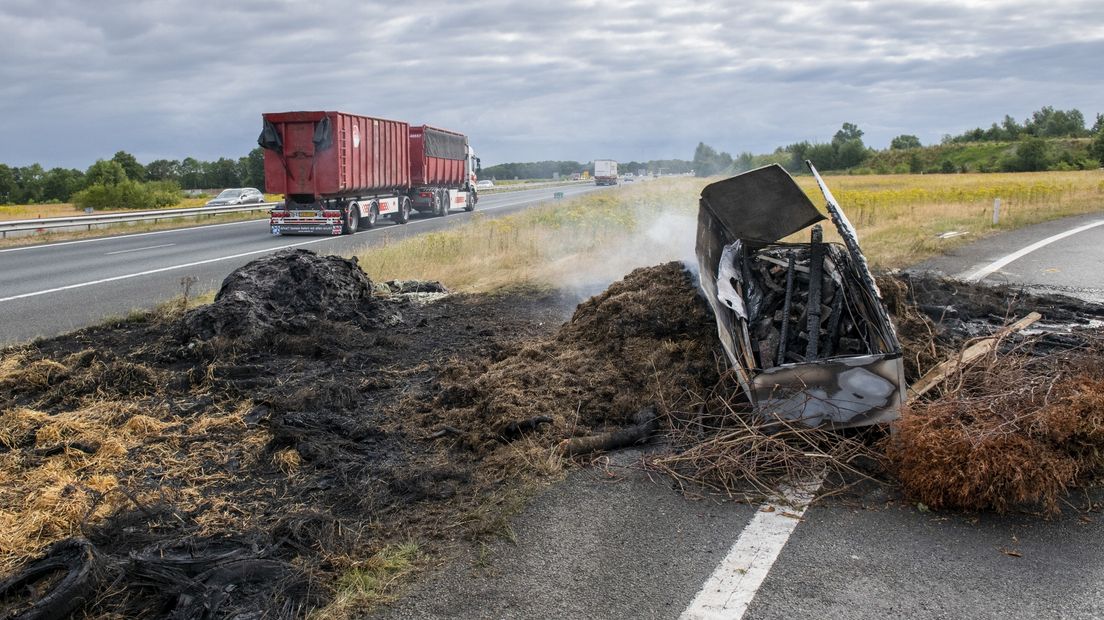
[[816, 274]]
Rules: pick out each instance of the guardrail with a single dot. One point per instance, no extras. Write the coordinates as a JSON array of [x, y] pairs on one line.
[[90, 221]]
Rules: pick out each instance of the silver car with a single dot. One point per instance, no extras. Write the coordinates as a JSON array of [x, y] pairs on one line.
[[237, 196]]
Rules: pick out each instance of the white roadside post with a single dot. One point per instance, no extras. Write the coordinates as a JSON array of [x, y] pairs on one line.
[[996, 211]]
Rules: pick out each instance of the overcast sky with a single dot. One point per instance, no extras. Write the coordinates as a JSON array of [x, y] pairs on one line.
[[82, 79]]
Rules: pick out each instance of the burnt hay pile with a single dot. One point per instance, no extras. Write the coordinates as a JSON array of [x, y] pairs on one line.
[[186, 480], [292, 291], [648, 340]]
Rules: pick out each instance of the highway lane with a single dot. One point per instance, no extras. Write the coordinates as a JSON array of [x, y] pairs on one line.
[[54, 288]]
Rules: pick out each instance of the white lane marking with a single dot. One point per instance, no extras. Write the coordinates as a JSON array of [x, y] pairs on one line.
[[160, 270], [207, 261], [982, 272], [729, 591], [152, 247]]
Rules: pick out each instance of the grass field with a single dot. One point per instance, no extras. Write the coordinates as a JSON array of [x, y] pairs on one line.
[[598, 237]]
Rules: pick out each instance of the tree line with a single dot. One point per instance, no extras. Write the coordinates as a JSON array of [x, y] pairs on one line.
[[549, 169], [34, 185], [1035, 148]]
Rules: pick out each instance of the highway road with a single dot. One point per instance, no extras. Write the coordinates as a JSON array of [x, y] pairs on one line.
[[616, 542], [50, 289]]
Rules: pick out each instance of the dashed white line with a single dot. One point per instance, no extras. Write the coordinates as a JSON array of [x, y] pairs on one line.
[[980, 273], [152, 247], [159, 270], [729, 591]]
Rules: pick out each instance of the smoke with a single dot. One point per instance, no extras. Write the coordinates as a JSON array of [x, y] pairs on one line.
[[661, 234]]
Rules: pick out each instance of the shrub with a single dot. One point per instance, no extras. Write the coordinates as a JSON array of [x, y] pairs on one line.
[[128, 195]]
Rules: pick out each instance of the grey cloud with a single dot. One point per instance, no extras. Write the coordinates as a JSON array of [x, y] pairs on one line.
[[574, 80]]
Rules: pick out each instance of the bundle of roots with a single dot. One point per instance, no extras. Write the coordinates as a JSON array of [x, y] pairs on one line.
[[1018, 429]]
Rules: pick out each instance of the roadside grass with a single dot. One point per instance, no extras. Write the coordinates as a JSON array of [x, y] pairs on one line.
[[371, 581], [598, 237], [563, 241], [899, 217]]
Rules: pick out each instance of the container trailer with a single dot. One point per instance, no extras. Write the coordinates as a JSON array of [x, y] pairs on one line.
[[341, 172], [605, 172]]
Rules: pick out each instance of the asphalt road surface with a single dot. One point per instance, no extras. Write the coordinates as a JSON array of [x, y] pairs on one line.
[[613, 542], [51, 289]]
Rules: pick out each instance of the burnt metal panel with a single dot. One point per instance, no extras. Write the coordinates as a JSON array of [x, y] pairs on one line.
[[760, 206]]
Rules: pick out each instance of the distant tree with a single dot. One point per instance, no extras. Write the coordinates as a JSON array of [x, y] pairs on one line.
[[105, 172], [223, 173], [134, 170], [1011, 128], [61, 183], [191, 174], [849, 131], [1032, 154], [823, 156], [1096, 147], [905, 141], [915, 165], [744, 161], [1050, 123], [252, 167], [8, 188], [847, 147], [1098, 126], [705, 160], [163, 170], [30, 183]]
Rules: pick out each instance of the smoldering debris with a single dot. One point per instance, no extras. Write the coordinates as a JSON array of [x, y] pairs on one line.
[[802, 324], [288, 292]]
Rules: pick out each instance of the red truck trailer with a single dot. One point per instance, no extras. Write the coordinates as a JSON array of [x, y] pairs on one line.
[[340, 172]]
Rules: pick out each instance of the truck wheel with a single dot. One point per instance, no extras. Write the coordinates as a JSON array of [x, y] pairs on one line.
[[443, 201], [403, 214], [469, 206], [352, 220], [373, 215]]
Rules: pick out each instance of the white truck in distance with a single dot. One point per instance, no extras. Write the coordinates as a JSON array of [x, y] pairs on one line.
[[605, 172]]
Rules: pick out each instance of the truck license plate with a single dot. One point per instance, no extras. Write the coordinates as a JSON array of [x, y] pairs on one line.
[[308, 214]]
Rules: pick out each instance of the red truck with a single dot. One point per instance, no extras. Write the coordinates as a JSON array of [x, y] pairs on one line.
[[340, 172]]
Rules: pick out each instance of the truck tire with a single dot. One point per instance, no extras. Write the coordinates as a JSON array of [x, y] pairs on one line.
[[351, 220], [402, 216], [373, 216], [469, 206], [443, 201]]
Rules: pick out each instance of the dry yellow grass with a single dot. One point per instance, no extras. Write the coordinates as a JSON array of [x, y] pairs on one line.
[[68, 470], [606, 234], [899, 216]]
